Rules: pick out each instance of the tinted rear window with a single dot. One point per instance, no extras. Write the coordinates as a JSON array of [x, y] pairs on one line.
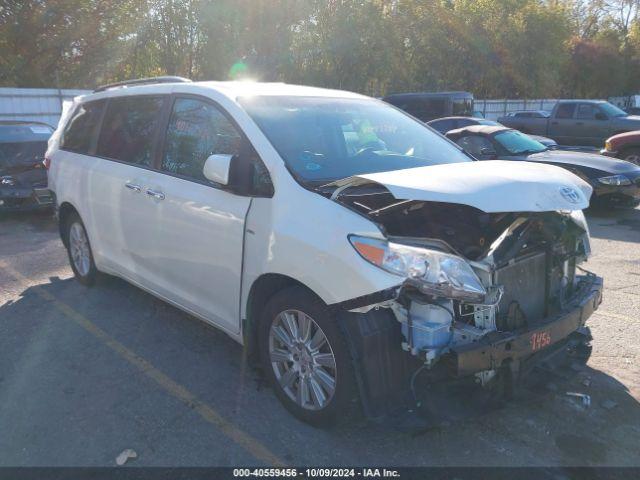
[[78, 133], [128, 129]]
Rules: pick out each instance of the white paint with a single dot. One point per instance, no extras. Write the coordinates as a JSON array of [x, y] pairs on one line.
[[491, 186], [202, 247]]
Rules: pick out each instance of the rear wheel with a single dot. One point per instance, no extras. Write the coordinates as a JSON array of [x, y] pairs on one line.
[[79, 250], [305, 357]]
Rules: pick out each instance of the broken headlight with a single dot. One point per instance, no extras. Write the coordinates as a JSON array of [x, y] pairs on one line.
[[433, 272]]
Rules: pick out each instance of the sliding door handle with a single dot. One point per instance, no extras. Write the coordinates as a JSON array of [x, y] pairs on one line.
[[155, 194]]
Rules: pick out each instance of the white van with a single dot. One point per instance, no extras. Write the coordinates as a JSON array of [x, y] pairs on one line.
[[345, 244]]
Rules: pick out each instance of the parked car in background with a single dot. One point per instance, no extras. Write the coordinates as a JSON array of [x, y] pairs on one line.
[[577, 122], [443, 125], [625, 146], [428, 106], [23, 177], [614, 182], [343, 242], [529, 114]]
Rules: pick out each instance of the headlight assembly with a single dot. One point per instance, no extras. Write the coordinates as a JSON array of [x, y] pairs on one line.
[[615, 180], [433, 272]]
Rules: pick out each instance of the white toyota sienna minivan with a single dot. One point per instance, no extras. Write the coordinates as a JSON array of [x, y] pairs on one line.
[[345, 244]]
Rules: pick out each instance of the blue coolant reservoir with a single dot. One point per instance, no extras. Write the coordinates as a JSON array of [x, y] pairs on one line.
[[431, 324]]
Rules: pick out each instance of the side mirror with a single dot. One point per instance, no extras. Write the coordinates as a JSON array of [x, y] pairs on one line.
[[601, 116], [217, 168]]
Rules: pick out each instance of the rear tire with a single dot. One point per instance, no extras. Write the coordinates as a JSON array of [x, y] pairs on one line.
[[79, 251], [305, 357]]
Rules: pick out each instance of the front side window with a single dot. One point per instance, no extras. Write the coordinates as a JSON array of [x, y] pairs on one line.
[[326, 139], [78, 134], [197, 130], [517, 143], [129, 128], [475, 145], [566, 110]]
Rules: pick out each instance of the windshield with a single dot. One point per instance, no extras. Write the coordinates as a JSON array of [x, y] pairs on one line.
[[327, 139], [612, 110], [517, 143], [23, 144]]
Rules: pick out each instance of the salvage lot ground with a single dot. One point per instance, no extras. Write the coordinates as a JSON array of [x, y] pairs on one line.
[[87, 373]]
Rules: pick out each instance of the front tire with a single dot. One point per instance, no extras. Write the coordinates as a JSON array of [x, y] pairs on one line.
[[79, 251], [305, 357]]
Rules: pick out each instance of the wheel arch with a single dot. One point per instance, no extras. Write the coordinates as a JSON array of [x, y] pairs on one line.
[[262, 289], [65, 210], [625, 149]]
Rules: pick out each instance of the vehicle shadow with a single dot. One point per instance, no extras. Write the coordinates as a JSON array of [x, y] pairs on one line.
[[620, 224], [66, 363]]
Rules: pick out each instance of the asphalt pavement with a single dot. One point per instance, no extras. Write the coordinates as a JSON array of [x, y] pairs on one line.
[[86, 373]]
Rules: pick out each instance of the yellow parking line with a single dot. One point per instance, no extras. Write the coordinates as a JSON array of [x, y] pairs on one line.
[[246, 441]]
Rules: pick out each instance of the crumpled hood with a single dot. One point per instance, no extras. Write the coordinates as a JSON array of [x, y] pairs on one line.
[[491, 186]]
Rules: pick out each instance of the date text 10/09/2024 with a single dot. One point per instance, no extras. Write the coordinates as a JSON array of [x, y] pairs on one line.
[[316, 472]]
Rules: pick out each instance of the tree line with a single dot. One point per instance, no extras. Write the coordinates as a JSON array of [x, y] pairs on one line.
[[493, 48]]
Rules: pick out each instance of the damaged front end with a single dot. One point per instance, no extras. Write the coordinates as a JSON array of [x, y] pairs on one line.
[[484, 297]]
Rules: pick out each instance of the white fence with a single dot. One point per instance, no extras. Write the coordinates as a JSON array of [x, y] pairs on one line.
[[46, 104], [35, 104], [492, 109]]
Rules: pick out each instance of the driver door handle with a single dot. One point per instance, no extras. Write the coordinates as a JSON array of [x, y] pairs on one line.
[[134, 187], [155, 194]]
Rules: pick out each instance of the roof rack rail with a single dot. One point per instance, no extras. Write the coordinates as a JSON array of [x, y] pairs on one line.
[[142, 81]]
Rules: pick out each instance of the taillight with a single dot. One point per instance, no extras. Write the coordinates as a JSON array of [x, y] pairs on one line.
[[46, 162]]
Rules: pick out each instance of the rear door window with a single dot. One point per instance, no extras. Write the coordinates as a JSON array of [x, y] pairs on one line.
[[566, 110], [79, 132], [129, 129], [587, 111]]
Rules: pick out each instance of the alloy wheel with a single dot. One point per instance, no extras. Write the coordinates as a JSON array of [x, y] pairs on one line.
[[79, 249], [302, 359]]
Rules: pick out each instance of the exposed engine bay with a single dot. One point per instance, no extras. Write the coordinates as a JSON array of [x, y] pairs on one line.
[[525, 263]]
